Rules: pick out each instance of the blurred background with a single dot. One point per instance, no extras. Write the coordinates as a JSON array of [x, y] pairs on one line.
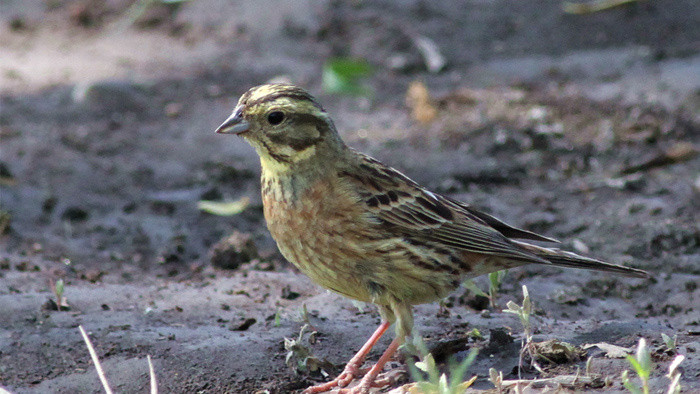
[[577, 119]]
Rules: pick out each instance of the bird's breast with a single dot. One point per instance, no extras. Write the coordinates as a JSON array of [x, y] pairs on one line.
[[318, 227]]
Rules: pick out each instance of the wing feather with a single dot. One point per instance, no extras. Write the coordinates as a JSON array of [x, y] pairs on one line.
[[408, 210]]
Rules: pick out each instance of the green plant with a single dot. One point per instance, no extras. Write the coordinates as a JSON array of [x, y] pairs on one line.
[[278, 318], [670, 342], [343, 75], [430, 381], [58, 289], [642, 365], [496, 377], [523, 312], [299, 356], [495, 280]]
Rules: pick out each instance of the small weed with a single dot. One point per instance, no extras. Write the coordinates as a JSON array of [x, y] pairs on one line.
[[58, 288], [642, 365], [524, 312], [299, 356], [343, 76], [278, 319], [495, 280], [496, 377], [670, 342], [475, 334], [430, 381]]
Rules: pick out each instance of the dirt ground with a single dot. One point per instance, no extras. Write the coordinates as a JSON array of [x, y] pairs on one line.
[[583, 127]]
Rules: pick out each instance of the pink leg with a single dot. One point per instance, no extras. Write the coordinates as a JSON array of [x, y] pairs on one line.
[[368, 381], [353, 367]]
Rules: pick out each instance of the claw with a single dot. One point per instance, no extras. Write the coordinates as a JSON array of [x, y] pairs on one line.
[[352, 369]]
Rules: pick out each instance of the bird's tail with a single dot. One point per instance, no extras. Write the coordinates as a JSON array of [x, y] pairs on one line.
[[568, 259]]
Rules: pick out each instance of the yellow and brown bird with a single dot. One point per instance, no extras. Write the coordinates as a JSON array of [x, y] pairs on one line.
[[365, 230]]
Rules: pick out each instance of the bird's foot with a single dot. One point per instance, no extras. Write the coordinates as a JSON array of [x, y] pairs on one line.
[[366, 384], [350, 372]]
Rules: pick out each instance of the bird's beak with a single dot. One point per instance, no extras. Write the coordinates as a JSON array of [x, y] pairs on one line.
[[235, 124]]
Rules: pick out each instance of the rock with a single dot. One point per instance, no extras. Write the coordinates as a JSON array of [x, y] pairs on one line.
[[499, 339], [242, 324], [75, 214], [555, 351], [234, 250]]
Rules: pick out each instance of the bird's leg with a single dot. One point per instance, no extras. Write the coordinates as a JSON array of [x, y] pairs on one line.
[[352, 369], [369, 379]]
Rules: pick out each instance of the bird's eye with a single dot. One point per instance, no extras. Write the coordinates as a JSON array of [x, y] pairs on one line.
[[275, 118]]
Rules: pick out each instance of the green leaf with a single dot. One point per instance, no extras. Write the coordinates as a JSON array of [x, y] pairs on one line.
[[59, 287], [644, 360], [628, 384], [343, 75], [223, 208], [471, 286]]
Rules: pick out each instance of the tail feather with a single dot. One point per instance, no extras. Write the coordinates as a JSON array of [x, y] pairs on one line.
[[568, 259]]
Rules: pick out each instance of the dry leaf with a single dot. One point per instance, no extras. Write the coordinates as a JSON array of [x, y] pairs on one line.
[[611, 351], [419, 101]]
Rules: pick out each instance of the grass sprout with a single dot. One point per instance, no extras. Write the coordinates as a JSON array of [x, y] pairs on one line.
[[58, 288], [429, 380], [495, 280], [642, 365]]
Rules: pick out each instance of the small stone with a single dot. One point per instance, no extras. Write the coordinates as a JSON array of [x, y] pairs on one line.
[[75, 214], [173, 110], [288, 294], [499, 338], [49, 204], [234, 250], [92, 275], [242, 325]]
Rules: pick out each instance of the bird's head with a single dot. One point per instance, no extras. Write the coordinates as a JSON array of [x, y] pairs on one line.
[[285, 124]]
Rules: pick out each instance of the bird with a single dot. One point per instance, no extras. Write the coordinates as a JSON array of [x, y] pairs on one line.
[[365, 230]]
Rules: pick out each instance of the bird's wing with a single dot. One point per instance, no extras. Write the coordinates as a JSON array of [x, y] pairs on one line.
[[500, 226], [406, 209]]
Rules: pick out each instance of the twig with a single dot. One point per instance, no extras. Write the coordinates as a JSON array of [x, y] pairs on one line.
[[152, 373], [95, 361], [564, 380], [595, 6]]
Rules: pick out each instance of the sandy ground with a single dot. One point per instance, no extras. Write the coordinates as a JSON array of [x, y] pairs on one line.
[[583, 127]]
